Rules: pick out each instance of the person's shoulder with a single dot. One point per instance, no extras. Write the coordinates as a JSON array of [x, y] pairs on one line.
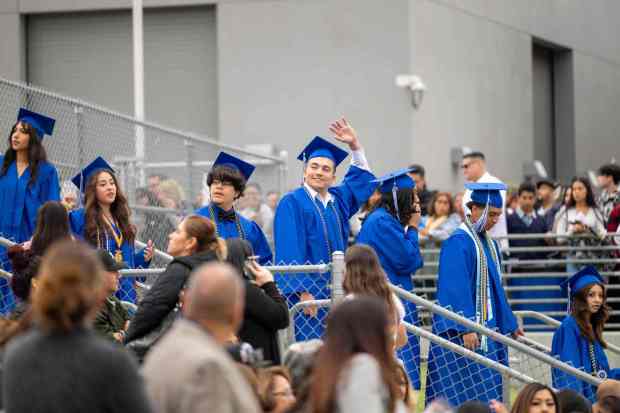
[[364, 367], [23, 345], [46, 167], [77, 213]]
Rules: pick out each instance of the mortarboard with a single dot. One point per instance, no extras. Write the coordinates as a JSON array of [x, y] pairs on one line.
[[42, 124], [319, 147], [224, 159], [487, 193], [586, 276], [394, 181], [82, 178], [398, 179]]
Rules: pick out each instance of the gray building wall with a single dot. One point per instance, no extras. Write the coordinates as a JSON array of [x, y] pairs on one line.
[[285, 68]]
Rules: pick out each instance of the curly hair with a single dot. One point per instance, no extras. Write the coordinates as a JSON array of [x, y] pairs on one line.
[[36, 152], [94, 214], [70, 287]]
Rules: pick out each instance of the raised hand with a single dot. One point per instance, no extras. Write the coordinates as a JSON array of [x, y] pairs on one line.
[[344, 132]]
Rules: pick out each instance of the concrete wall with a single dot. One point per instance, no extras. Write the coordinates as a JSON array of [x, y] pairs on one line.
[[284, 82], [288, 67]]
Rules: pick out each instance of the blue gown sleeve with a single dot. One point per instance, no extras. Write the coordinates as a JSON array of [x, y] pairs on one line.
[[454, 285], [565, 347], [355, 189], [398, 249], [290, 243], [50, 189], [139, 261], [76, 222], [260, 244]]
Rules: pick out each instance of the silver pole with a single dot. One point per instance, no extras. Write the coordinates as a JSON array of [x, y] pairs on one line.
[[337, 276], [495, 336], [138, 82]]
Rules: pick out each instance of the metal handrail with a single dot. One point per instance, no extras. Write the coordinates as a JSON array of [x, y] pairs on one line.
[[494, 335], [554, 323]]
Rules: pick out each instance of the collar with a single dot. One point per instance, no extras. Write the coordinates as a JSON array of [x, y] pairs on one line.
[[314, 194], [522, 214], [218, 209]]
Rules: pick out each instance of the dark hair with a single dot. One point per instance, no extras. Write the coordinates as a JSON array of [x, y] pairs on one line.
[[36, 152], [21, 282], [70, 281], [526, 187], [590, 325], [417, 169], [609, 404], [571, 401], [590, 201], [203, 230], [353, 327], [238, 251], [364, 276], [474, 155], [610, 169], [436, 196], [52, 225], [266, 385], [404, 199], [94, 214], [474, 406], [526, 395], [161, 177], [224, 173]]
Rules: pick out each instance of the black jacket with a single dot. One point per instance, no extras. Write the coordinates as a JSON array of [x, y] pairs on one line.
[[265, 313], [164, 294]]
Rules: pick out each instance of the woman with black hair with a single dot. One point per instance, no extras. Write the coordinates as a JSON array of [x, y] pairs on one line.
[[227, 180], [391, 229], [581, 217], [27, 181], [265, 309]]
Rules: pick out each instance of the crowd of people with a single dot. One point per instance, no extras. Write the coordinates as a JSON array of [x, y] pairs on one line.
[[205, 334]]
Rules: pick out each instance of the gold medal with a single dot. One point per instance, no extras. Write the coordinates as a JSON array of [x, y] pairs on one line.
[[118, 256]]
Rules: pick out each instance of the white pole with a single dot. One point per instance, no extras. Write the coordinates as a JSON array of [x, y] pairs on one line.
[[138, 82]]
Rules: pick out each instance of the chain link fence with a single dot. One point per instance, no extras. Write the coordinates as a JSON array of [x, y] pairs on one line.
[[136, 150]]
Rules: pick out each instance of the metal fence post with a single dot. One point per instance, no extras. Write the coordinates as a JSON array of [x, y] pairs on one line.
[[337, 276], [190, 175]]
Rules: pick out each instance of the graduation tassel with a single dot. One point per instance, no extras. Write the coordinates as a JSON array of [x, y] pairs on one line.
[[395, 199]]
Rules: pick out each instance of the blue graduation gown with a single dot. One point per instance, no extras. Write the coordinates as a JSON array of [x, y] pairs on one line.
[[452, 376], [133, 258], [571, 347], [19, 204], [399, 254], [300, 239], [253, 233]]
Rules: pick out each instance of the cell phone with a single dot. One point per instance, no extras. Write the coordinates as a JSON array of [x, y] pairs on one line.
[[253, 258]]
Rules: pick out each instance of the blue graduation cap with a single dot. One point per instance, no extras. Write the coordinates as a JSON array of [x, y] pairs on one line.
[[42, 124], [487, 193], [82, 178], [319, 147], [586, 276], [398, 179], [224, 159]]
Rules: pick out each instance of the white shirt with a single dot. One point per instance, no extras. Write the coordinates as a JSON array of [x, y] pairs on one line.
[[500, 229], [358, 158]]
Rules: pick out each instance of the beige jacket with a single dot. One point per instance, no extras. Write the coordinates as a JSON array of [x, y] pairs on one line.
[[187, 372]]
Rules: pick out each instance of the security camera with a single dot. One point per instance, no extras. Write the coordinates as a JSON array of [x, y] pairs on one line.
[[415, 85]]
